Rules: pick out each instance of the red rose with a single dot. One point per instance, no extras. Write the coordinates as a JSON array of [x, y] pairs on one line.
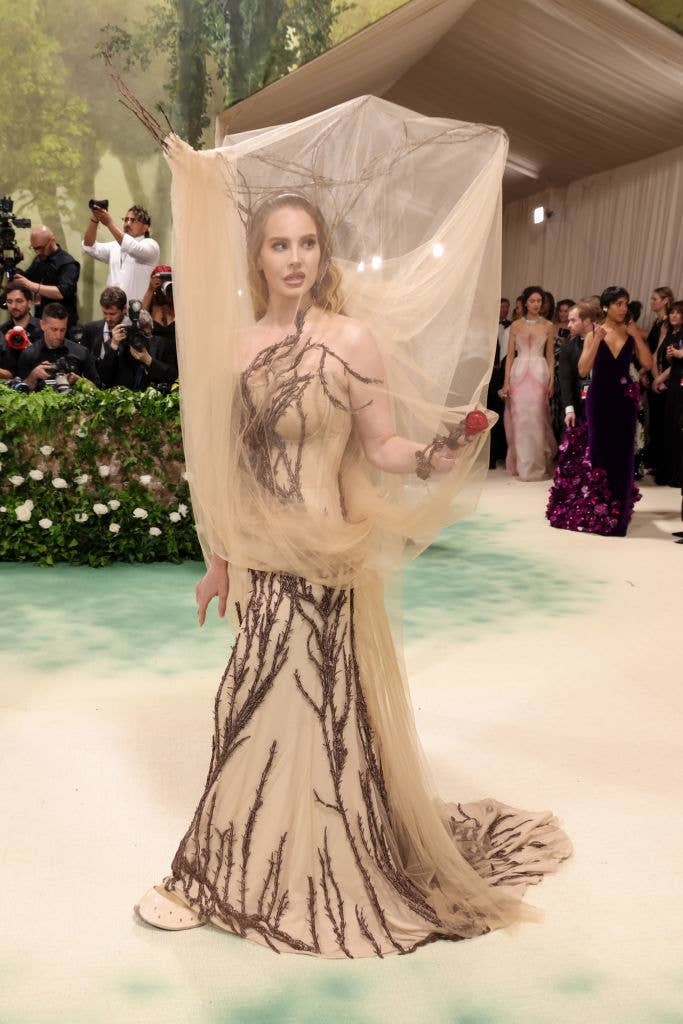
[[476, 421]]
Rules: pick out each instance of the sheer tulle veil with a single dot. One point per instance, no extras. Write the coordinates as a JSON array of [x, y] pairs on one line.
[[413, 209]]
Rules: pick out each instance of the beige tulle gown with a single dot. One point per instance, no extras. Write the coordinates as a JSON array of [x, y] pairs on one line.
[[318, 831]]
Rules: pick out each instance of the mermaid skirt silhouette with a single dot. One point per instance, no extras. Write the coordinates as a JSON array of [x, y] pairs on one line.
[[292, 843]]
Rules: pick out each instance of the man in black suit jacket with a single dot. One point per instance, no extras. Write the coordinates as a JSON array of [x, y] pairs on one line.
[[572, 387], [96, 335], [124, 366], [36, 363]]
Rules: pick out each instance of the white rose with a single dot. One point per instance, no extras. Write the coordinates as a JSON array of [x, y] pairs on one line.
[[16, 480], [3, 447], [81, 432], [114, 504], [184, 475], [47, 449], [23, 513], [99, 509], [82, 479], [140, 513], [183, 510], [145, 479], [45, 523], [81, 517], [103, 470], [154, 531], [2, 508], [174, 517], [36, 474], [114, 527], [58, 483], [29, 504]]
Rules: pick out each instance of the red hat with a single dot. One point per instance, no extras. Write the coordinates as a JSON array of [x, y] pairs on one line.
[[163, 268]]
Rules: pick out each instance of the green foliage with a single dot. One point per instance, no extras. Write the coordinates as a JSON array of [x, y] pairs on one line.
[[100, 444], [43, 127]]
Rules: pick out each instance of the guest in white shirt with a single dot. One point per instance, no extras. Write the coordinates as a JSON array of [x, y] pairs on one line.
[[131, 255]]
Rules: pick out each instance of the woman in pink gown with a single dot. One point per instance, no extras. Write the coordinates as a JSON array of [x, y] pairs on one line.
[[528, 387]]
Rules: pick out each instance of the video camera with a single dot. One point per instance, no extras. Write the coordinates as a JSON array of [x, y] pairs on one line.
[[10, 253]]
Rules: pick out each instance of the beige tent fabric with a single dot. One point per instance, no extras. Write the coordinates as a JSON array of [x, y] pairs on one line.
[[622, 226], [580, 86]]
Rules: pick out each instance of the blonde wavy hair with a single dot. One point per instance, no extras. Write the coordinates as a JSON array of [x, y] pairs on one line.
[[326, 292]]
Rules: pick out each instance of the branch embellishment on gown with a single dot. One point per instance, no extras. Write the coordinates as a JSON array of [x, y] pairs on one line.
[[280, 367]]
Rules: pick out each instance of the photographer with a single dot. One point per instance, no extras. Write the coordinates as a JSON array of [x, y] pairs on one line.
[[18, 301], [97, 333], [38, 363], [52, 276], [136, 358], [132, 253], [158, 301]]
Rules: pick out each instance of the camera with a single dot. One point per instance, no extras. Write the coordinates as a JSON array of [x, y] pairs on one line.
[[135, 336], [164, 293], [17, 339], [10, 253], [17, 384], [563, 332], [60, 370], [102, 203]]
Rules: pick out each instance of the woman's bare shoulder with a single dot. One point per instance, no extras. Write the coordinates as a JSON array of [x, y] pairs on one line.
[[347, 333]]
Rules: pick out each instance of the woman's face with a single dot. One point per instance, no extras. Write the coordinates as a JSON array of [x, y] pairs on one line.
[[563, 313], [657, 303], [675, 318], [290, 253], [618, 310], [533, 304]]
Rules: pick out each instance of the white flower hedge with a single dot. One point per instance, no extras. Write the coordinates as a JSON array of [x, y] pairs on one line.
[[71, 461]]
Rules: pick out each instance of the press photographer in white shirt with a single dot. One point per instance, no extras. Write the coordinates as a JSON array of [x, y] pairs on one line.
[[131, 255]]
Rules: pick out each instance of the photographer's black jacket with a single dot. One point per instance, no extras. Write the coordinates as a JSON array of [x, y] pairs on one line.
[[61, 270], [40, 353], [119, 369]]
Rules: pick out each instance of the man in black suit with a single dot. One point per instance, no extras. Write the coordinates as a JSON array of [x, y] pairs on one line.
[[572, 387], [128, 366], [36, 363], [97, 334]]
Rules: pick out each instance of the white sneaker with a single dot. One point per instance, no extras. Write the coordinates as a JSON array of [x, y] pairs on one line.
[[165, 910]]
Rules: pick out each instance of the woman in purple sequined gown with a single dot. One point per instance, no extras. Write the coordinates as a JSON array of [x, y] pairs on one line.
[[594, 490]]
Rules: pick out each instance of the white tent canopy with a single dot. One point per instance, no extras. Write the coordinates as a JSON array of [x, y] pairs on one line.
[[580, 86]]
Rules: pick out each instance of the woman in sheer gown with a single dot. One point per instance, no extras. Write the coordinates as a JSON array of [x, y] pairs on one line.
[[330, 428], [295, 843], [529, 384], [594, 489]]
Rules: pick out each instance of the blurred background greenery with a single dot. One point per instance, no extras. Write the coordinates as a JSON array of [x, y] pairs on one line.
[[64, 136]]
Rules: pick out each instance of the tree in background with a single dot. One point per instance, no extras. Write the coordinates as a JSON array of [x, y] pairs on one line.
[[44, 127], [225, 48]]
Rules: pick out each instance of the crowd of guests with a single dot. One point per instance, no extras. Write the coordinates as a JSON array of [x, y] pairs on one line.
[[133, 345], [586, 395]]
